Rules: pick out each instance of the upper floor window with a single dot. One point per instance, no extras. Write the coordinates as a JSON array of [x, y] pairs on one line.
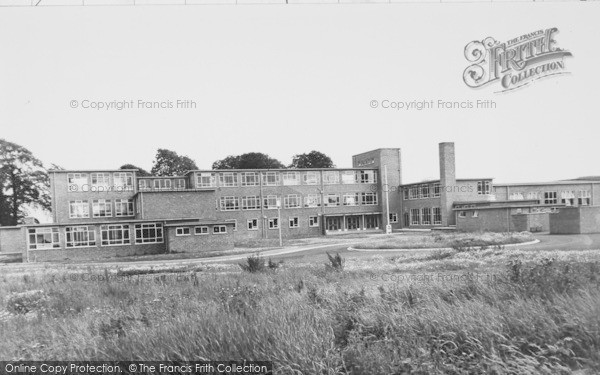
[[291, 201], [124, 207], [77, 181], [550, 197], [271, 178], [533, 195], [123, 180], [180, 184], [405, 193], [350, 199], [483, 187], [229, 203], [228, 179], [584, 198], [516, 196], [437, 189], [162, 184], [312, 200], [101, 208], [250, 179], [251, 203], [144, 185], [332, 200], [348, 177], [331, 177], [424, 193], [206, 180], [369, 198], [291, 178], [100, 180], [367, 177], [413, 192], [271, 202], [311, 178], [79, 209]]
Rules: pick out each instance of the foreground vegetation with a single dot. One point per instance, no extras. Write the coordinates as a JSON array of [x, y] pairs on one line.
[[455, 240], [489, 311]]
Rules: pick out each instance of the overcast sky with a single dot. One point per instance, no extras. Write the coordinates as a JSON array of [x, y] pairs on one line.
[[284, 80]]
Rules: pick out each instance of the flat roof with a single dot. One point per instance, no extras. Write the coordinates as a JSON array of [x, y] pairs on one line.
[[201, 222], [573, 182], [458, 179], [281, 170], [90, 170]]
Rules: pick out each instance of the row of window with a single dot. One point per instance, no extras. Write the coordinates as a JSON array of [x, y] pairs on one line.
[[200, 230], [80, 209], [582, 197], [422, 191], [100, 181], [232, 203], [425, 216], [162, 184], [85, 236], [233, 179]]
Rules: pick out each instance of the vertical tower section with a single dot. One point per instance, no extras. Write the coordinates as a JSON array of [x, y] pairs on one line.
[[447, 182], [385, 159]]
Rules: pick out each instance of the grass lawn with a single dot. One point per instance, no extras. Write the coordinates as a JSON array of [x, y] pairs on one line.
[[457, 240], [493, 311]]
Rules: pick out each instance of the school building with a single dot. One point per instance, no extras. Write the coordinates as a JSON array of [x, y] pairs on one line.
[[111, 213]]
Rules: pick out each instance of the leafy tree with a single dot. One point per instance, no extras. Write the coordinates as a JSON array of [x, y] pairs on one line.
[[23, 182], [313, 159], [169, 163], [250, 160], [140, 172]]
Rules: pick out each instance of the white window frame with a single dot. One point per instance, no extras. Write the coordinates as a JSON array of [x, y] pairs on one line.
[[426, 216], [413, 192], [254, 181], [331, 177], [288, 201], [200, 230], [202, 183], [270, 202], [97, 205], [584, 198], [290, 178], [336, 200], [180, 184], [252, 224], [424, 191], [84, 230], [312, 200], [550, 197], [270, 178], [229, 203], [76, 181], [129, 208], [107, 230], [294, 222], [79, 206], [49, 238], [228, 179], [313, 221], [351, 199], [437, 213], [311, 178], [219, 229], [393, 217], [437, 190], [102, 181], [405, 193], [273, 223], [158, 236], [183, 231], [415, 216], [348, 177], [367, 176], [143, 185], [123, 180], [365, 202], [246, 200]]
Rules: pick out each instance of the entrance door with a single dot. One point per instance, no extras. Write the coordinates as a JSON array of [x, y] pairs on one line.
[[333, 223], [352, 222]]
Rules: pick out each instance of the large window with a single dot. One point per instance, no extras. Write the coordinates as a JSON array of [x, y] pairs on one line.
[[162, 184], [369, 199], [228, 179], [437, 189], [115, 235], [123, 180], [413, 192], [350, 199], [77, 181], [312, 200], [348, 177], [533, 195], [415, 216], [79, 209], [367, 177], [270, 202], [251, 202], [550, 197], [101, 208], [567, 197], [200, 231], [148, 233], [206, 180], [426, 216], [332, 200], [331, 177], [43, 238], [483, 187], [291, 178], [437, 216], [144, 185], [291, 201], [250, 179], [271, 178], [180, 184], [124, 207], [584, 198], [229, 203], [424, 193], [80, 236], [516, 196], [311, 178], [183, 231], [100, 181]]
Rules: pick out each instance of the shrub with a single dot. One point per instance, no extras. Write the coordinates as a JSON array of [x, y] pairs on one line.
[[272, 265], [24, 302], [254, 263], [336, 262]]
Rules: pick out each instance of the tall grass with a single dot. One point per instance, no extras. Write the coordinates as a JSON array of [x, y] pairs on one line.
[[543, 317]]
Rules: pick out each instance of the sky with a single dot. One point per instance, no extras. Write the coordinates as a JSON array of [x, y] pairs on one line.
[[285, 80]]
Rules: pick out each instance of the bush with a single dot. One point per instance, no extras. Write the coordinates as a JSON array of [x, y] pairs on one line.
[[254, 263], [272, 265], [24, 302], [336, 262]]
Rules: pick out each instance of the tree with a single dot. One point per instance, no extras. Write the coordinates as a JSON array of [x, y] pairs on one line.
[[168, 163], [250, 160], [313, 159], [23, 182], [141, 171]]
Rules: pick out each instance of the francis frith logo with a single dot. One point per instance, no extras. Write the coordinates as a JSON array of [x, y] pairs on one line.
[[515, 63]]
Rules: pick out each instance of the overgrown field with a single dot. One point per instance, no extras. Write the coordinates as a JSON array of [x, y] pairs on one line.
[[490, 311], [457, 241]]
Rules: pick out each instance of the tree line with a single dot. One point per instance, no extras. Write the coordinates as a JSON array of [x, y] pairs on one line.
[[25, 183]]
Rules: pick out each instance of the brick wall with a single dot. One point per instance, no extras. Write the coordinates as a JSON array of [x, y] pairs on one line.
[[200, 243], [493, 220], [531, 222], [95, 252], [590, 219], [566, 221]]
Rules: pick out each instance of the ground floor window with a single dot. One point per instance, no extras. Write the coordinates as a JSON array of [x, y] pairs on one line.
[[274, 223], [462, 214], [333, 223], [294, 222], [253, 224], [80, 236], [219, 229], [352, 222], [426, 217], [437, 216], [114, 235], [43, 238], [415, 218], [313, 221], [149, 233], [371, 222], [393, 217], [182, 231], [200, 230]]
